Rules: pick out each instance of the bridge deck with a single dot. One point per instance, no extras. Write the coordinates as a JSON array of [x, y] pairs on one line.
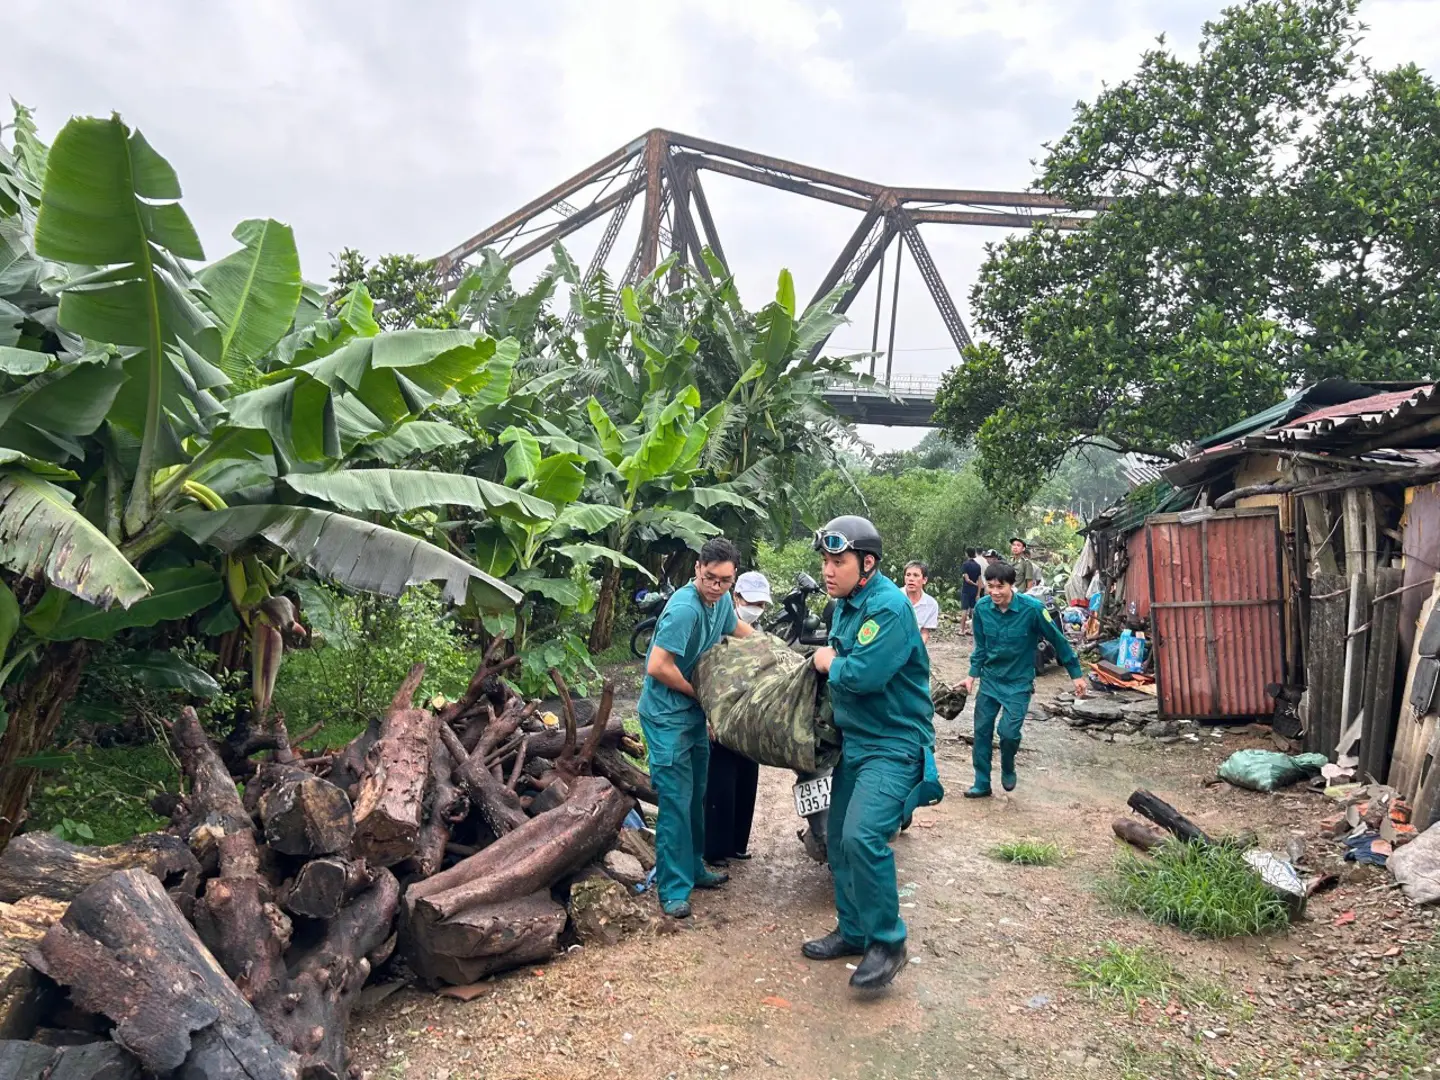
[[909, 402]]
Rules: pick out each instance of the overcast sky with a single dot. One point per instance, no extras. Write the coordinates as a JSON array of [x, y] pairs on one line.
[[391, 127]]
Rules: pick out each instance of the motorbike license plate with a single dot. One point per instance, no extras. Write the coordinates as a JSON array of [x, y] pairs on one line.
[[812, 796]]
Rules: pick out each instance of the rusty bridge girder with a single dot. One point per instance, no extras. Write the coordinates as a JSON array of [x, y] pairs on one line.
[[661, 171]]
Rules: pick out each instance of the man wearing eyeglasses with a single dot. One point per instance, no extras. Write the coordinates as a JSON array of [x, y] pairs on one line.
[[696, 617], [879, 685]]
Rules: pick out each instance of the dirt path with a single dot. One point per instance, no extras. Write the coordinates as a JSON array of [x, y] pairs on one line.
[[987, 993]]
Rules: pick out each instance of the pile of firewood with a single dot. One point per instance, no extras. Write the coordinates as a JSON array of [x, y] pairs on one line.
[[235, 944]]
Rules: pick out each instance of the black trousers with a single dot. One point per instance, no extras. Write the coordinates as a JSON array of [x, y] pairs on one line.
[[729, 803]]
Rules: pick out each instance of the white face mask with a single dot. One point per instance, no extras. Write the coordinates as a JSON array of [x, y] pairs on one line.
[[749, 613]]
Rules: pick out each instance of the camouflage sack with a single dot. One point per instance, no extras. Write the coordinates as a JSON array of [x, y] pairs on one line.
[[765, 701]]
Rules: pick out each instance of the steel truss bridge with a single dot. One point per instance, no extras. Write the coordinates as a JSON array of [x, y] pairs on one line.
[[661, 173]]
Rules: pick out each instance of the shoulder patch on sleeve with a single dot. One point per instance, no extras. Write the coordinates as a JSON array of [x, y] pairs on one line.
[[868, 632], [1045, 614]]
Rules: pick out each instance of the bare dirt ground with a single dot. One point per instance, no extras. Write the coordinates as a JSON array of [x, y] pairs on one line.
[[987, 994]]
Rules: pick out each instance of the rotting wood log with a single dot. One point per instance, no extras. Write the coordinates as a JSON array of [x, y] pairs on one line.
[[550, 796], [489, 938], [124, 950], [301, 814], [549, 743], [1137, 833], [625, 775], [349, 764], [539, 852], [390, 800], [41, 864], [310, 1010], [446, 807], [213, 805], [24, 996], [498, 805], [1166, 816], [485, 686], [90, 1061], [322, 887]]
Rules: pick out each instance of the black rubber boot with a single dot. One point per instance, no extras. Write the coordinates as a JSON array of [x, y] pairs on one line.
[[1008, 749], [830, 947], [977, 793], [881, 964]]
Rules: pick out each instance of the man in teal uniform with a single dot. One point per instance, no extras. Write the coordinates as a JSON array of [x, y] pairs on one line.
[[879, 677], [696, 617], [1008, 628]]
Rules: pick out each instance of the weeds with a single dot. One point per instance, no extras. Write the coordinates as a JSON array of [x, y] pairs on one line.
[[1027, 852], [1137, 974], [1204, 889]]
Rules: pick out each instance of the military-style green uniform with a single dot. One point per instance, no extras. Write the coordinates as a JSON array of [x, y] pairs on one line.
[[1004, 662], [880, 692], [675, 736]]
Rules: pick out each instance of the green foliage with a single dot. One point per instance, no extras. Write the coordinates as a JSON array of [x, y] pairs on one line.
[[1027, 852], [365, 646], [1270, 223], [103, 795], [1140, 974], [404, 285], [1204, 889]]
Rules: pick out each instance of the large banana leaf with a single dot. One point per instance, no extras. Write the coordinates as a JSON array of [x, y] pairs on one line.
[[395, 491], [692, 531], [564, 591], [44, 414], [588, 517], [416, 437], [357, 554], [178, 594], [109, 201], [584, 554], [255, 292], [42, 534], [664, 441], [558, 479]]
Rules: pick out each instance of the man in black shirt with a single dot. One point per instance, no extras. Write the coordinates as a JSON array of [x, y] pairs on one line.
[[970, 571]]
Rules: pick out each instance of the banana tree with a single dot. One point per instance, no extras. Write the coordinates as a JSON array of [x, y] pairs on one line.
[[123, 443]]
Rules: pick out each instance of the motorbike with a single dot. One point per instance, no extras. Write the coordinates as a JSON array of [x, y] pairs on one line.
[[651, 601], [804, 631], [1045, 652], [795, 623]]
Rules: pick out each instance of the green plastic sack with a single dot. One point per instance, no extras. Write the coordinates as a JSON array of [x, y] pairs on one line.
[[766, 701], [1269, 770]]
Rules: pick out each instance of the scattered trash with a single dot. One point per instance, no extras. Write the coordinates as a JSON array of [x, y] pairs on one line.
[[465, 993], [1343, 792], [1345, 918], [633, 820], [775, 1002], [1269, 770], [1367, 849], [1039, 1001], [1416, 867], [908, 890], [1281, 876]]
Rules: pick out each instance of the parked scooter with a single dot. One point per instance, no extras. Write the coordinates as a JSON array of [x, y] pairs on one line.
[[804, 631], [652, 601], [1044, 651]]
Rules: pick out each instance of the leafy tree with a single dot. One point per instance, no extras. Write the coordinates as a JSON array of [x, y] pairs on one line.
[[1271, 221], [403, 287]]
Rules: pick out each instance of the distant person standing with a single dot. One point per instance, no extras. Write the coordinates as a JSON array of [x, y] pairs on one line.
[[927, 608], [733, 778], [1026, 576], [970, 571]]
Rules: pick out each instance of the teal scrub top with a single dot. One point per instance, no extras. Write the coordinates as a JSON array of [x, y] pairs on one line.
[[687, 627], [1005, 643], [880, 678]]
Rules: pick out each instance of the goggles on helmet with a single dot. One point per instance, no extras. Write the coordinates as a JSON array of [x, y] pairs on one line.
[[832, 543]]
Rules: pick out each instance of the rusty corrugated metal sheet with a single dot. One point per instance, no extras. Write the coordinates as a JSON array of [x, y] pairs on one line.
[[1420, 537], [1137, 575], [1216, 611]]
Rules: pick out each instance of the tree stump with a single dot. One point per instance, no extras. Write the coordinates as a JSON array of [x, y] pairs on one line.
[[390, 798], [304, 815], [322, 887], [490, 938]]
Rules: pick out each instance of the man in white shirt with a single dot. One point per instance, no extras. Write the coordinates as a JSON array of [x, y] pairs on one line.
[[927, 608]]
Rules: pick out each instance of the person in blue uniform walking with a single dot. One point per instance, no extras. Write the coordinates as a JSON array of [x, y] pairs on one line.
[[879, 686], [696, 617], [1008, 628]]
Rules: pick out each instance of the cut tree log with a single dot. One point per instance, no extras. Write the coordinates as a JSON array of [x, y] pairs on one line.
[[125, 950], [535, 855], [302, 814], [490, 938], [1166, 816], [1143, 836], [215, 809], [92, 1061], [349, 764], [498, 805], [550, 742], [390, 802], [446, 807], [625, 775], [322, 887], [310, 1010], [41, 864], [24, 996]]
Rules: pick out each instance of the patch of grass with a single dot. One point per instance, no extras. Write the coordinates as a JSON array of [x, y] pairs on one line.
[[103, 796], [1027, 852], [1204, 889], [1141, 973]]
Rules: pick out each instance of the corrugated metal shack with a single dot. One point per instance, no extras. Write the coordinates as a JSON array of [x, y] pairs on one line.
[[1293, 557]]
